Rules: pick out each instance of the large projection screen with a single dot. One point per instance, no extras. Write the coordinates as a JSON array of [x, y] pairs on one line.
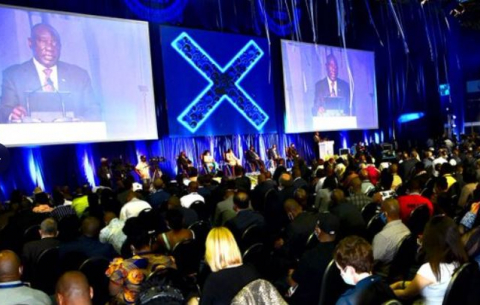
[[69, 78], [328, 88]]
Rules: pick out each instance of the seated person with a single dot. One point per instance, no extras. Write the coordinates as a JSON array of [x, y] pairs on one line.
[[127, 275], [183, 162], [445, 253], [231, 159], [167, 241], [354, 258], [209, 162], [273, 154], [254, 159]]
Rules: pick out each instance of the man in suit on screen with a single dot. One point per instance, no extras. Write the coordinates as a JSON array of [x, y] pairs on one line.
[[46, 73], [332, 93]]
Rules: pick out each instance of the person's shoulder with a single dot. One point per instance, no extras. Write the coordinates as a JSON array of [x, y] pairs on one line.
[[71, 69], [18, 68]]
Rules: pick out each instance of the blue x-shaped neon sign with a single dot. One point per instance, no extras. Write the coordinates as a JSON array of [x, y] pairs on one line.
[[224, 83]]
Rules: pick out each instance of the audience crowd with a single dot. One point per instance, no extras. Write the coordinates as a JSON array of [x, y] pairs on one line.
[[368, 228]]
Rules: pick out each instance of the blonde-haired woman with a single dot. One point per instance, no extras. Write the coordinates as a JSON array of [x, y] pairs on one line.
[[229, 275]]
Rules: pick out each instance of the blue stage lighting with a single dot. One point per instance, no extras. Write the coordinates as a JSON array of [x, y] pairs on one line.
[[444, 89], [409, 117]]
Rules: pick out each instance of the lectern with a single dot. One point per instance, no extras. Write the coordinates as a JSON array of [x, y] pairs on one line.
[[326, 149]]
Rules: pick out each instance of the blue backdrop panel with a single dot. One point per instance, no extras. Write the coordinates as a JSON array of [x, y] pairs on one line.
[[216, 84]]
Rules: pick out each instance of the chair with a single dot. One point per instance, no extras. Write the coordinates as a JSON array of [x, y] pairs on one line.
[[94, 269], [187, 256], [252, 235], [256, 256], [403, 260], [374, 226], [332, 286], [463, 287], [312, 241], [418, 219], [201, 209], [201, 229], [369, 211], [31, 234], [46, 271]]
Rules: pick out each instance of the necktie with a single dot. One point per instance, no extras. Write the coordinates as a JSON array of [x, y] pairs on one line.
[[332, 92], [48, 83]]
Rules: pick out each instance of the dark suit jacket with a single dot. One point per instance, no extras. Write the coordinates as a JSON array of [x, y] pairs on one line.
[[322, 90], [273, 155], [243, 220], [20, 79], [31, 252]]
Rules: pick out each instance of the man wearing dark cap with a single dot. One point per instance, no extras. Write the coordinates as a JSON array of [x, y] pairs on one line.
[[306, 279], [12, 290]]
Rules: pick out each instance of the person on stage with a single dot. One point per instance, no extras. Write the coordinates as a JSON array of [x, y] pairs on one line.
[[209, 162], [231, 159], [183, 162], [143, 169], [332, 93], [254, 158], [105, 173], [46, 73], [273, 155], [316, 140]]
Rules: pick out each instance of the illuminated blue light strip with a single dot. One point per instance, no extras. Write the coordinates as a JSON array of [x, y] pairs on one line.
[[223, 83]]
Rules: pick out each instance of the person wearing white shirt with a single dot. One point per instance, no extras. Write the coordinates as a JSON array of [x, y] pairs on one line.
[[187, 200], [143, 169], [133, 207]]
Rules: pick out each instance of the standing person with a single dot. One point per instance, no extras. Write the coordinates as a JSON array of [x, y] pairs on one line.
[[229, 274], [143, 169], [444, 253], [46, 73], [105, 173], [316, 140]]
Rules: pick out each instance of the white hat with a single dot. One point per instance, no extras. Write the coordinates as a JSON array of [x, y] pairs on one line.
[[136, 186]]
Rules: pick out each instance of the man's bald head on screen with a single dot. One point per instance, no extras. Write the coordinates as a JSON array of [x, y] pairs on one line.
[[45, 44]]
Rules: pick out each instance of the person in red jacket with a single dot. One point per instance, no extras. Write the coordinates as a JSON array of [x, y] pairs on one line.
[[409, 202]]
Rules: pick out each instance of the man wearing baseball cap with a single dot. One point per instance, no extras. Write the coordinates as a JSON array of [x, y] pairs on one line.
[[306, 279]]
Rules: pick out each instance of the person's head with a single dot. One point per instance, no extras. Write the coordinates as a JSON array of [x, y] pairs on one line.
[[241, 201], [261, 178], [158, 184], [143, 158], [301, 196], [292, 208], [109, 216], [252, 148], [206, 153], [441, 185], [174, 219], [193, 187], [446, 169], [48, 228], [285, 180], [57, 198], [332, 67], [441, 243], [73, 288], [173, 202], [354, 257], [45, 44], [391, 209], [356, 185], [393, 169], [327, 227], [42, 198], [338, 196], [274, 146], [221, 249], [229, 150], [10, 267], [239, 171], [91, 227], [165, 286]]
